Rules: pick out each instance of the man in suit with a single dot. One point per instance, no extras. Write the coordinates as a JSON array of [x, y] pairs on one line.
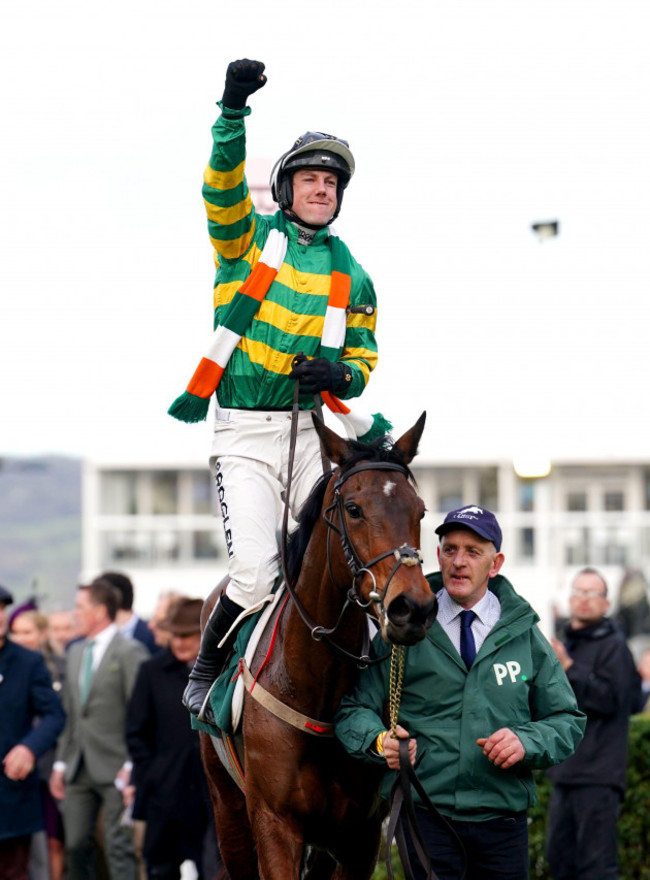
[[129, 624], [172, 793], [92, 758], [25, 694]]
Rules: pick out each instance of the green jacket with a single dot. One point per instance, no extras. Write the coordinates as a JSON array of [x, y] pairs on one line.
[[516, 681], [290, 318]]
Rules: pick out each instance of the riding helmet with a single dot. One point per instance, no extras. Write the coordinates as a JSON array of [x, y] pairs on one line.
[[314, 149]]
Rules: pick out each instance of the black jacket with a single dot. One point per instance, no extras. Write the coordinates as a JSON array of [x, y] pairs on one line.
[[606, 684], [25, 694], [172, 792]]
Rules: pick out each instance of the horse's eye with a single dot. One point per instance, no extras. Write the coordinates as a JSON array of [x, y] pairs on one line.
[[353, 510]]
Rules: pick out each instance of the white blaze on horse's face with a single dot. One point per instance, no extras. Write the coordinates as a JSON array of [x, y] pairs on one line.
[[389, 488]]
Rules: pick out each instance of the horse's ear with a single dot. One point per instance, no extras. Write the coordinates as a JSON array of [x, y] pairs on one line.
[[408, 443], [335, 447]]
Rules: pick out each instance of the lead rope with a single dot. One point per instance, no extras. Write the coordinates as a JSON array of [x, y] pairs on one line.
[[401, 796]]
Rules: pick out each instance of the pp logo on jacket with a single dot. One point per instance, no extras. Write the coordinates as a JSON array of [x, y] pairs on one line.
[[504, 670]]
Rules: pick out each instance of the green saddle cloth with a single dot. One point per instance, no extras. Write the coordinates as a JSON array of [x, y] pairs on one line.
[[224, 688]]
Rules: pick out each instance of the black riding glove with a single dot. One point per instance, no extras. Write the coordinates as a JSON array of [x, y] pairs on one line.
[[242, 79], [320, 374]]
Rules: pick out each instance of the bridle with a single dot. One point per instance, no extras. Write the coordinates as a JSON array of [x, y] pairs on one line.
[[403, 555]]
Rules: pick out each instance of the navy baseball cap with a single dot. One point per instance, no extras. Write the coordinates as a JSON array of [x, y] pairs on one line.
[[478, 519], [5, 597]]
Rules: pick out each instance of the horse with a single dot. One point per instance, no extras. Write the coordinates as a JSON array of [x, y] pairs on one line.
[[310, 810]]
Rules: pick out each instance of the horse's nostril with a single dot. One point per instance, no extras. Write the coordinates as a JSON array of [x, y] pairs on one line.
[[404, 611], [399, 611]]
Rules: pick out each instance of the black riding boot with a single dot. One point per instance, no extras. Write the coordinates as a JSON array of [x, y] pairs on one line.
[[211, 659]]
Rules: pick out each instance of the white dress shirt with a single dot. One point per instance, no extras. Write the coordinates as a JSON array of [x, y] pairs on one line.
[[487, 611]]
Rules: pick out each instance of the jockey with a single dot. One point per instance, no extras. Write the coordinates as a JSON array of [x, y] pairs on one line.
[[285, 285]]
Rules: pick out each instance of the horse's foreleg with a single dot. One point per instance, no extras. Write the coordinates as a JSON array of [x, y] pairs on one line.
[[279, 845], [231, 818]]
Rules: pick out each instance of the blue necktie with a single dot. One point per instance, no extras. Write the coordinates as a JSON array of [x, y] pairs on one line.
[[467, 645]]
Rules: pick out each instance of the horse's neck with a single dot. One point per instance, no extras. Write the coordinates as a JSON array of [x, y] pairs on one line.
[[314, 667]]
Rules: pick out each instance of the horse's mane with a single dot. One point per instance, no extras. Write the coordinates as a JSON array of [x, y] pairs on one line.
[[377, 451]]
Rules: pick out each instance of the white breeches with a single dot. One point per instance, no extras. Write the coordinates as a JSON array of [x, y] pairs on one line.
[[249, 460]]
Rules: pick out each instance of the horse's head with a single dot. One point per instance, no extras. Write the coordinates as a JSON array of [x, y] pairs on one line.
[[374, 507]]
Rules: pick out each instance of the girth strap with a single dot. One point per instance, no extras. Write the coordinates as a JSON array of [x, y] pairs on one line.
[[277, 708]]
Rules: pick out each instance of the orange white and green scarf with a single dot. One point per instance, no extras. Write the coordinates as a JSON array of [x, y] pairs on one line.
[[193, 404]]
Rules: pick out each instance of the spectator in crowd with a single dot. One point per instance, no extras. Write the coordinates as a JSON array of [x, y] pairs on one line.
[[29, 628], [92, 759], [160, 614], [484, 702], [633, 613], [588, 787], [128, 622], [26, 695], [161, 638], [167, 771], [62, 629]]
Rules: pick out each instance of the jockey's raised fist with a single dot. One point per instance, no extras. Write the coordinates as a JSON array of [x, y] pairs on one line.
[[243, 77]]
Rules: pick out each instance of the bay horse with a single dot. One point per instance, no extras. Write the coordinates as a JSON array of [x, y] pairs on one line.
[[309, 809]]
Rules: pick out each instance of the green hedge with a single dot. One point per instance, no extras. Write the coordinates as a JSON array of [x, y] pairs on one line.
[[634, 825]]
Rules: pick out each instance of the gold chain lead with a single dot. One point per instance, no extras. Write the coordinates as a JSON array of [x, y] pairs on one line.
[[395, 684]]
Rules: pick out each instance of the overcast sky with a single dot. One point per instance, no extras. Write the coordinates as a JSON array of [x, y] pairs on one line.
[[468, 121]]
